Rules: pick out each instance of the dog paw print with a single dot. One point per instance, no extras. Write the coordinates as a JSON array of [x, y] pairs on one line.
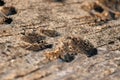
[[5, 12], [83, 46], [69, 49]]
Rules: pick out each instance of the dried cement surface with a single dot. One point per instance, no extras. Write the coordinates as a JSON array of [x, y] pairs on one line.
[[60, 40]]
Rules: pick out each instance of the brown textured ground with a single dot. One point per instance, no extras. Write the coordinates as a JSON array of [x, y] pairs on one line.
[[50, 40]]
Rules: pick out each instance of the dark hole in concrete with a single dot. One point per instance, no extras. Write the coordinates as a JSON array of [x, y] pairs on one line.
[[12, 11], [2, 2], [59, 0], [111, 42], [112, 15], [103, 22], [98, 9], [67, 57], [4, 31], [110, 0], [118, 38], [8, 20], [49, 46], [92, 52]]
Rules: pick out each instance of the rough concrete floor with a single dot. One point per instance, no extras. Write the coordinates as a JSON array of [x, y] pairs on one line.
[[47, 40]]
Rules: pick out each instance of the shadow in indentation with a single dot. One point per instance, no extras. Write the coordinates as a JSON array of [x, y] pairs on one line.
[[111, 42], [9, 10], [67, 57], [2, 2], [8, 20], [36, 42], [92, 52], [84, 46], [98, 9], [59, 0], [112, 15]]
